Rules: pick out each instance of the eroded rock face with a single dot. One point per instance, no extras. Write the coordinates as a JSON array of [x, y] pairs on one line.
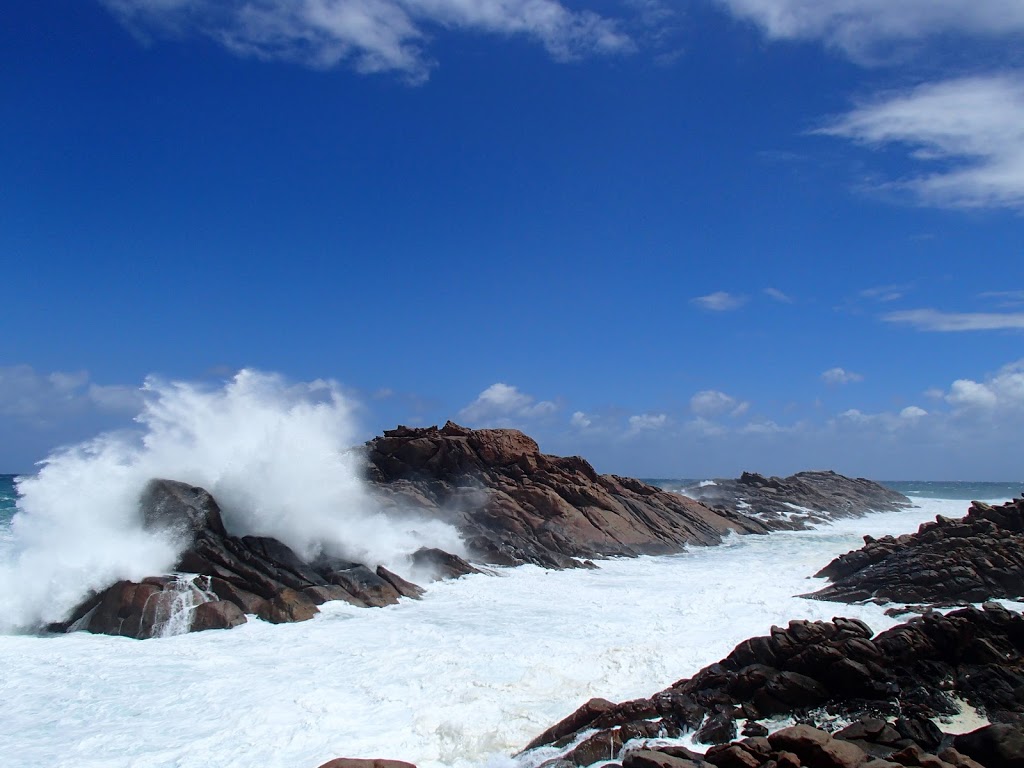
[[889, 686], [978, 557], [516, 505], [796, 501]]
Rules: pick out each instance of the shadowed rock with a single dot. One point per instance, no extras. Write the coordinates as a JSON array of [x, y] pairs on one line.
[[889, 686], [978, 557]]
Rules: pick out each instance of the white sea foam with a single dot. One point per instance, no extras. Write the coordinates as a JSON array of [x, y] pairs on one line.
[[463, 678], [275, 455]]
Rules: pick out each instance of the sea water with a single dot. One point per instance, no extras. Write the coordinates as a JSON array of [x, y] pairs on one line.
[[464, 677]]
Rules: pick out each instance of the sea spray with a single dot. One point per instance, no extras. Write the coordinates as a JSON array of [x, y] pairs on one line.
[[277, 456]]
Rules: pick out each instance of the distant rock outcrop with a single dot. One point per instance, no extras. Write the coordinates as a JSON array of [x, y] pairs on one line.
[[799, 500], [889, 687], [514, 504], [978, 557]]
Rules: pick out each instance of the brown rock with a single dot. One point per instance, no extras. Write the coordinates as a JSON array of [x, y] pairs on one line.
[[649, 758], [403, 587], [217, 614], [289, 606], [578, 720], [817, 749], [352, 762]]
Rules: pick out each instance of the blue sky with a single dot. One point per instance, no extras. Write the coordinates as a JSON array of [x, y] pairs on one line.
[[679, 239]]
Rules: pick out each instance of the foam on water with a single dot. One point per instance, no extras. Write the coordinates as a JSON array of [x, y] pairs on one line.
[[275, 455], [465, 677]]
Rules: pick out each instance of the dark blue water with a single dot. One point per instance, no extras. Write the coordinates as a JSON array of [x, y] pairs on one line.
[[8, 495]]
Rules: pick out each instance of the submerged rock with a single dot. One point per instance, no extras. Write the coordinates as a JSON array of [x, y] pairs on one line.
[[978, 557], [799, 500], [514, 504]]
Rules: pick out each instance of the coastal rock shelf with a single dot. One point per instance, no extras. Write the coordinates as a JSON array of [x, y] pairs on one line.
[[514, 504], [890, 687], [978, 557], [797, 501]]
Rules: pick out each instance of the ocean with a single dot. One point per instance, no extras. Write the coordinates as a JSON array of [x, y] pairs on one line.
[[464, 677]]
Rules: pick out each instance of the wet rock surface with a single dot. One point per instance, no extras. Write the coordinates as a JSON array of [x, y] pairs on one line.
[[229, 577], [890, 687], [514, 504], [974, 558], [794, 502]]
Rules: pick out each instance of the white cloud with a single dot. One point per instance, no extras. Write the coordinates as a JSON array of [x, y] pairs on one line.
[[45, 399], [711, 402], [646, 422], [372, 35], [777, 295], [971, 129], [719, 301], [580, 420], [1002, 392], [934, 320], [912, 412], [840, 376], [503, 405], [860, 27]]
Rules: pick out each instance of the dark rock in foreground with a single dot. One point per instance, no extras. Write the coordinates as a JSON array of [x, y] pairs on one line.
[[799, 500], [514, 504], [236, 576], [889, 685], [975, 558]]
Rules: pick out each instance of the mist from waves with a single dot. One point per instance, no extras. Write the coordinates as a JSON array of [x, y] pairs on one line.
[[276, 455]]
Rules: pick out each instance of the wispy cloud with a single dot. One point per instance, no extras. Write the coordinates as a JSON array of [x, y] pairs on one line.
[[934, 320], [860, 28], [1004, 298], [840, 376], [776, 295], [371, 35], [720, 301], [971, 130], [504, 405], [884, 293]]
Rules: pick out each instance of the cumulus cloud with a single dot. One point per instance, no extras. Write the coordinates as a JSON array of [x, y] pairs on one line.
[[504, 405], [934, 320], [840, 376], [710, 402], [859, 28], [43, 399], [719, 301], [371, 35], [647, 422], [580, 420], [969, 129], [1001, 392], [913, 412]]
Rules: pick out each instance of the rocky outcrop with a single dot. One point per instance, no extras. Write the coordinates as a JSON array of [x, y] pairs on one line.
[[892, 685], [978, 557], [797, 501], [514, 504], [229, 577]]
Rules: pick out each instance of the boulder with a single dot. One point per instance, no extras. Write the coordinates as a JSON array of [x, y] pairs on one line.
[[217, 614], [999, 745]]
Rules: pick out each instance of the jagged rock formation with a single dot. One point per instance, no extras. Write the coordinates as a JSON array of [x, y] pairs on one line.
[[236, 576], [514, 504], [978, 557], [816, 671], [799, 500]]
